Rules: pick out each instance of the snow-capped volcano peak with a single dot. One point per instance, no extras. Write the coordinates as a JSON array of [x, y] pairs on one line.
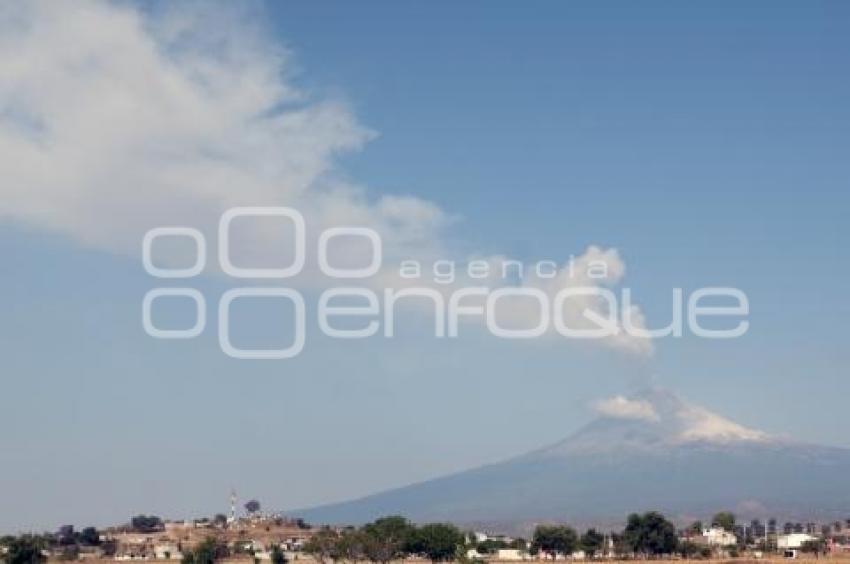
[[700, 424], [656, 418], [688, 422]]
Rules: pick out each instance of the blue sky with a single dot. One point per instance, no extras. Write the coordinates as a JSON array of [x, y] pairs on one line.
[[707, 143]]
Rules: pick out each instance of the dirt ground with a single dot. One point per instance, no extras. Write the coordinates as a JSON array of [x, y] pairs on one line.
[[305, 559]]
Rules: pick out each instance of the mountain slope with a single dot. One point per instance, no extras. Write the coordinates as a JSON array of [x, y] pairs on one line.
[[652, 450]]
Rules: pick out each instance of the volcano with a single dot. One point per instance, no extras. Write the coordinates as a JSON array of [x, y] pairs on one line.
[[652, 450]]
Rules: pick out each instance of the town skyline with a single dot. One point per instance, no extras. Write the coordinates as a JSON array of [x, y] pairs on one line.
[[259, 536]]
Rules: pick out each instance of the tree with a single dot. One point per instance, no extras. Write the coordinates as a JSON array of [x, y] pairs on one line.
[[25, 549], [438, 541], [650, 534], [816, 546], [619, 545], [689, 549], [322, 545], [89, 537], [109, 547], [220, 519], [554, 540], [278, 556], [66, 535], [591, 542], [725, 520], [695, 527], [349, 546], [209, 551], [518, 544], [253, 506], [146, 523], [386, 538], [490, 546]]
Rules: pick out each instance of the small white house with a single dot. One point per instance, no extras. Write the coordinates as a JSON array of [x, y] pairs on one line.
[[794, 540], [167, 551], [717, 536]]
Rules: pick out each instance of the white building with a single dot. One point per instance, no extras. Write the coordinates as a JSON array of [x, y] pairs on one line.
[[167, 551], [716, 536], [793, 541], [481, 537]]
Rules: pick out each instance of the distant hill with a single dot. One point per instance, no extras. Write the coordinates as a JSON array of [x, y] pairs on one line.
[[650, 451]]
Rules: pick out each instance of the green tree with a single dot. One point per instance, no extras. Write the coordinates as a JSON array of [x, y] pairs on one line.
[[109, 547], [650, 534], [322, 545], [695, 527], [816, 546], [518, 544], [25, 549], [349, 546], [689, 549], [490, 546], [278, 556], [621, 547], [89, 537], [386, 538], [253, 506], [208, 551], [591, 542], [554, 540], [438, 541], [725, 520], [146, 523], [66, 535]]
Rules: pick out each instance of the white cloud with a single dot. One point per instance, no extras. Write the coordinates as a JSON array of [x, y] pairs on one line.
[[619, 407], [114, 121]]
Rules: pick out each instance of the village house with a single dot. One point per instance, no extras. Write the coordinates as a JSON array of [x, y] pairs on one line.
[[167, 551], [791, 544], [718, 537]]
